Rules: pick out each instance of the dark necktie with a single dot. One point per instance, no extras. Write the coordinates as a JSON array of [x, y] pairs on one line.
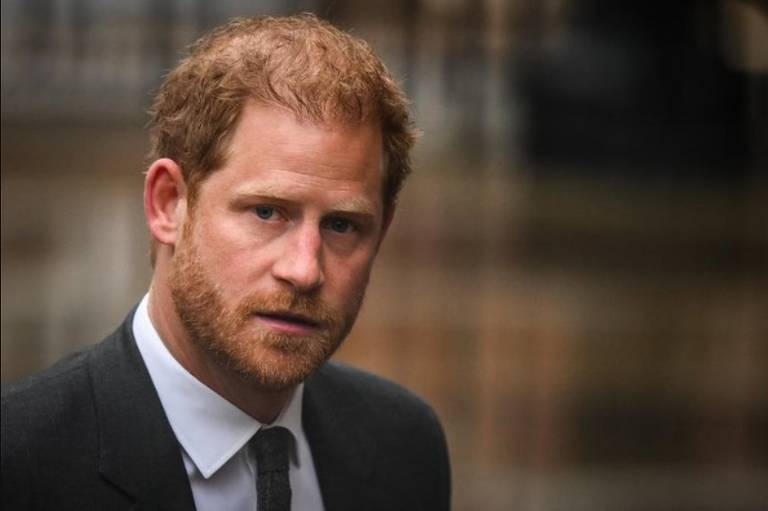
[[271, 447]]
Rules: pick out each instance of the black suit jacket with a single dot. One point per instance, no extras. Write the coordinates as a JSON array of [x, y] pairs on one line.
[[90, 433]]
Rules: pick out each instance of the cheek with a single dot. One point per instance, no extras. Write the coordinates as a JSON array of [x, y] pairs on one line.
[[232, 260], [346, 279]]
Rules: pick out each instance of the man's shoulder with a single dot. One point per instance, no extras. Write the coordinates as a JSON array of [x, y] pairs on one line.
[[58, 429], [399, 432], [52, 404], [46, 417], [53, 399], [363, 397], [67, 378], [355, 383], [47, 388]]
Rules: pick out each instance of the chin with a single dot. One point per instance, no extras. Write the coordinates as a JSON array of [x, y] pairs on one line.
[[279, 365], [274, 376]]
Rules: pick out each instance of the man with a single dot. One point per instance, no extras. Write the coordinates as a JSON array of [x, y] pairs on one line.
[[278, 150]]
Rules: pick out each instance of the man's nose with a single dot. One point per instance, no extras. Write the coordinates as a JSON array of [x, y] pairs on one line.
[[300, 263]]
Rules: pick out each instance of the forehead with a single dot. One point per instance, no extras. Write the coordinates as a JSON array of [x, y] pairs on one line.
[[274, 157], [273, 138]]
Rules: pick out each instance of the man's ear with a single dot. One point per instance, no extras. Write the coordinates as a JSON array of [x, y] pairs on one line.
[[165, 200]]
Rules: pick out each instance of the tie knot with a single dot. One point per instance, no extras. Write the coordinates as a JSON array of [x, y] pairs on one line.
[[271, 447]]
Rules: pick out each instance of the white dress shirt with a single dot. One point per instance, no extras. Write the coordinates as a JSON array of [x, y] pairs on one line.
[[214, 433]]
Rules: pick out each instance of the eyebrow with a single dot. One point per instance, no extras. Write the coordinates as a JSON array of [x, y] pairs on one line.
[[352, 206]]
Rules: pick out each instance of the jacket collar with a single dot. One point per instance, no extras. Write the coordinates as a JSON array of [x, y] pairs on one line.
[[138, 451]]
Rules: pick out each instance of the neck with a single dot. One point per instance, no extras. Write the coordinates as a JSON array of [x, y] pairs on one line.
[[262, 405]]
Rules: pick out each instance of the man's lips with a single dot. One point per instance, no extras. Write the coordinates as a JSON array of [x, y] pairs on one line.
[[290, 323]]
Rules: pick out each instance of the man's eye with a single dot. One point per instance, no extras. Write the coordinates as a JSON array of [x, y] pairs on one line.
[[265, 212], [340, 225]]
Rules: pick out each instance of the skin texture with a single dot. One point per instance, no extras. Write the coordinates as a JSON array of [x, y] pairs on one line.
[[258, 282]]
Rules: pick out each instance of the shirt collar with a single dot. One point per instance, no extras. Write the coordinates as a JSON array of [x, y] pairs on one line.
[[209, 428]]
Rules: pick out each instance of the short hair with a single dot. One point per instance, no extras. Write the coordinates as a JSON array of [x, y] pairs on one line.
[[300, 63]]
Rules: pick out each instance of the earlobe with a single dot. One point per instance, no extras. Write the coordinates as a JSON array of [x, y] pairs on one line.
[[165, 195]]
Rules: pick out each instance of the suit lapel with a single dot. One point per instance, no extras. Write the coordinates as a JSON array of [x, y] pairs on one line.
[[342, 449], [138, 451]]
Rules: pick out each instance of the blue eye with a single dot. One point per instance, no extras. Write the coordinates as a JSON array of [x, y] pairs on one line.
[[340, 225], [264, 212]]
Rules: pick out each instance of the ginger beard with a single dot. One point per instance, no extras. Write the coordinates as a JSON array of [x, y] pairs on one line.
[[233, 336]]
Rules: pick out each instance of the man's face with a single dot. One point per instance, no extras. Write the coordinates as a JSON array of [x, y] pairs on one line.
[[272, 264]]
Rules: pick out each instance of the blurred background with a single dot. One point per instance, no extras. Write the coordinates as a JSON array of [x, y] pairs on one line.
[[578, 275]]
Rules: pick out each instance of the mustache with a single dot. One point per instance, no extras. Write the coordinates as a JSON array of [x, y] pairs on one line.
[[308, 309]]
